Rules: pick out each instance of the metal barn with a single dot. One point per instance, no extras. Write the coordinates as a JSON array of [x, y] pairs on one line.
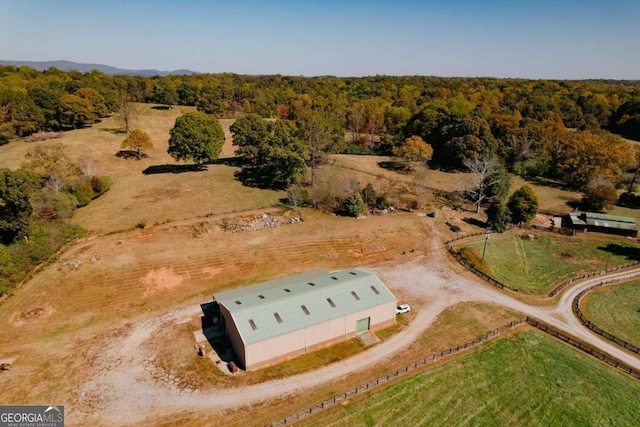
[[610, 224], [276, 320]]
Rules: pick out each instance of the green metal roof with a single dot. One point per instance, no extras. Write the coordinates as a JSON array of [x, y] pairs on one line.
[[603, 220], [610, 218], [280, 306]]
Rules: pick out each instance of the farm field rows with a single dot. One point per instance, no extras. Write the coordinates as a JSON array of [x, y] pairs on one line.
[[57, 325], [616, 309], [528, 379]]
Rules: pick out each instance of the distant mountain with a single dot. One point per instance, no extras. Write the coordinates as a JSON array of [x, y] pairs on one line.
[[107, 69]]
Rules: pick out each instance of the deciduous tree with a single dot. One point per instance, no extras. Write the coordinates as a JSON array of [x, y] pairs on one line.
[[50, 162], [98, 106], [196, 136], [75, 111], [523, 205], [126, 112], [16, 188], [484, 175], [319, 133], [498, 216], [582, 156], [599, 195], [413, 151], [273, 155], [138, 141]]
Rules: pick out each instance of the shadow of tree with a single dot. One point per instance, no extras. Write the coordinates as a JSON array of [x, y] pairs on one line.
[[130, 154], [395, 166], [630, 252], [151, 170], [254, 177], [476, 222], [161, 107], [116, 131], [228, 161]]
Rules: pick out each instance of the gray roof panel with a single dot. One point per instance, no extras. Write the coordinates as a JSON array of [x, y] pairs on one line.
[[284, 299]]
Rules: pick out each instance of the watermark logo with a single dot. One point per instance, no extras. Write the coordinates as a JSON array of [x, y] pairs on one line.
[[32, 416]]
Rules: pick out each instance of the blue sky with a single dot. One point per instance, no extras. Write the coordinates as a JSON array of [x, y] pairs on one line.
[[529, 39]]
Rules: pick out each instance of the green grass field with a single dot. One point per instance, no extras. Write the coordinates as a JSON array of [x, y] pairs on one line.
[[535, 266], [526, 380], [616, 309]]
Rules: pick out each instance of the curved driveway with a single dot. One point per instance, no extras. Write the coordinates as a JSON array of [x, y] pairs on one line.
[[129, 393]]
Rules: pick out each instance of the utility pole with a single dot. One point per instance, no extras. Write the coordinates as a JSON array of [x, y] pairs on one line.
[[486, 239]]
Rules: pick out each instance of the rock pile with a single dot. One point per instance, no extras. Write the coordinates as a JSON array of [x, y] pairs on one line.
[[235, 225]]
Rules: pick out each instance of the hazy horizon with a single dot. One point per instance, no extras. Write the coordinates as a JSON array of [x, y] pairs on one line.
[[546, 40]]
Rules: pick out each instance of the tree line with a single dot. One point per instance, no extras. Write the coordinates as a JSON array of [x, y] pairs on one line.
[[373, 109]]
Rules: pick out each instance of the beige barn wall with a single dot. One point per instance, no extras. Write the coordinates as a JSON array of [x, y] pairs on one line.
[[287, 346], [234, 336], [380, 314]]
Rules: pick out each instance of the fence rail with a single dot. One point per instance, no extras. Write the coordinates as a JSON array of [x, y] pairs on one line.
[[555, 291], [579, 344], [539, 324], [385, 378], [558, 288], [458, 256], [575, 305]]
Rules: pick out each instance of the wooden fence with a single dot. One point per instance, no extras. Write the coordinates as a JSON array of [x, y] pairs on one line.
[[575, 305], [558, 288], [581, 345], [474, 269], [385, 378], [464, 236], [539, 324]]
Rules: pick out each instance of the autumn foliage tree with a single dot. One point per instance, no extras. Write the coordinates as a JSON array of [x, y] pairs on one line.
[[51, 163], [599, 195], [138, 141], [413, 151], [583, 156]]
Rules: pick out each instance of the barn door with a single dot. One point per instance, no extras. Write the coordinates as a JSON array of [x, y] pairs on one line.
[[362, 325]]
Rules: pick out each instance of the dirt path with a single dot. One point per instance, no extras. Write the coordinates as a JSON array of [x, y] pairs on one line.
[[125, 392]]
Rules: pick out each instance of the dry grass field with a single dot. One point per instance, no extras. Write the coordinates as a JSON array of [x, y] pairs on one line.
[[56, 325]]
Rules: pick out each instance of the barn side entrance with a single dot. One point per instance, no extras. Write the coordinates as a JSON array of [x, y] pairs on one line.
[[362, 325]]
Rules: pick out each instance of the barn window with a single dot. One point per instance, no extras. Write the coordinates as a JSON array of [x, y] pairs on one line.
[[331, 303], [287, 290], [278, 318], [355, 296], [238, 302], [261, 296], [375, 290], [304, 308], [252, 324]]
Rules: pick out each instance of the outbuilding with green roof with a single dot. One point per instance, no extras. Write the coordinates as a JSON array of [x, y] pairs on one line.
[[279, 319]]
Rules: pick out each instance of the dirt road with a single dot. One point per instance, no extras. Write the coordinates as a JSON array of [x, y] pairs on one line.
[[125, 392]]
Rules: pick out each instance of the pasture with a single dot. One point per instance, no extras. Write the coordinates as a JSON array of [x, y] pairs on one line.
[[535, 266], [616, 309], [459, 323], [56, 324], [528, 379]]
